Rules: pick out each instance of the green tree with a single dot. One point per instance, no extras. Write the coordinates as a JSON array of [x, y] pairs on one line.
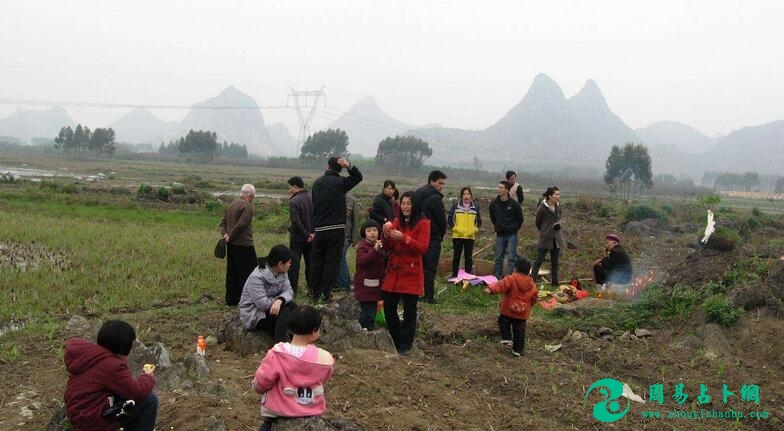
[[629, 170], [325, 143], [201, 145], [64, 140], [402, 154]]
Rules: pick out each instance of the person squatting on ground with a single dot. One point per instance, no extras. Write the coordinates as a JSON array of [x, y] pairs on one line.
[[515, 189], [292, 374], [616, 266], [301, 232], [371, 262], [383, 208], [329, 219], [351, 239], [406, 239], [548, 222], [520, 294], [430, 199], [465, 220], [267, 298], [98, 372], [507, 218], [237, 229]]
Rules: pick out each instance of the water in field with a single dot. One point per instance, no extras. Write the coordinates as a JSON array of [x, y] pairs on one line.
[[27, 173]]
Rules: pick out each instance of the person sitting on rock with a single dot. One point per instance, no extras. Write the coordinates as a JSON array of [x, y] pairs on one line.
[[99, 379], [616, 266], [291, 376], [267, 298]]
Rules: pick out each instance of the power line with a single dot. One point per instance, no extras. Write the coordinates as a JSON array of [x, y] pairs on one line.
[[32, 102]]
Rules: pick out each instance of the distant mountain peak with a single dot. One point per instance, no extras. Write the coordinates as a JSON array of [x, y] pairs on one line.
[[590, 95], [367, 103], [544, 87]]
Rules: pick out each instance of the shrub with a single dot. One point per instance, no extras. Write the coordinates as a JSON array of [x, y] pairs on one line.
[[178, 190], [724, 239], [753, 222], [214, 205], [163, 194], [668, 210], [58, 187], [144, 190], [756, 212], [719, 309], [641, 212]]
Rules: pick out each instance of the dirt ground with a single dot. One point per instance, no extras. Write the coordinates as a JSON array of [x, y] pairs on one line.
[[465, 381]]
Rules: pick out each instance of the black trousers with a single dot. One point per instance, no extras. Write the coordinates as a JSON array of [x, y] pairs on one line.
[[542, 252], [278, 326], [402, 334], [240, 262], [300, 250], [599, 274], [430, 265], [460, 244], [513, 329], [367, 314], [327, 248]]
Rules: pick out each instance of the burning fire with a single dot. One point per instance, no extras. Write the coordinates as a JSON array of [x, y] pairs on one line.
[[631, 290]]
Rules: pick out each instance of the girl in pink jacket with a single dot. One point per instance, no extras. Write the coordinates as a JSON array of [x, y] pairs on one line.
[[291, 376]]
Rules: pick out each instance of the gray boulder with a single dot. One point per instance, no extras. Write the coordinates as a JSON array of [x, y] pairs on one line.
[[236, 339]]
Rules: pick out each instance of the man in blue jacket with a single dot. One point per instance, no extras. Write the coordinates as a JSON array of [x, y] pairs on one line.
[[329, 221]]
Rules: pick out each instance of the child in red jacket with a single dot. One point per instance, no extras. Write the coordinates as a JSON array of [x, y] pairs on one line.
[[99, 372], [371, 262], [520, 294]]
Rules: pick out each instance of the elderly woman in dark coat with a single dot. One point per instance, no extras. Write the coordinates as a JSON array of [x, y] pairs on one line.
[[548, 222]]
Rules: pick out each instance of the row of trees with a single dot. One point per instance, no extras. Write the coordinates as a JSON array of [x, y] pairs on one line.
[[83, 141], [629, 170], [202, 148], [747, 182], [398, 155]]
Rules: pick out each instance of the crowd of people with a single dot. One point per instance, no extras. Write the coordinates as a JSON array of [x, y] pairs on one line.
[[398, 247]]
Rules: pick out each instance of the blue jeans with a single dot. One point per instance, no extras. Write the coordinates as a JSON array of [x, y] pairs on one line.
[[344, 279], [505, 245], [143, 415]]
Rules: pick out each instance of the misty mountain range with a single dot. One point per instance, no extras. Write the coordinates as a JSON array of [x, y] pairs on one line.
[[545, 130]]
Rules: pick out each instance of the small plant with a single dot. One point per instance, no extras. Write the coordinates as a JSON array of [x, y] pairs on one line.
[[756, 212], [724, 239], [144, 190], [641, 212], [163, 194], [710, 202], [719, 309], [178, 190], [214, 205]]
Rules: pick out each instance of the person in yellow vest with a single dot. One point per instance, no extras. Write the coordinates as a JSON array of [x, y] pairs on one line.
[[464, 220]]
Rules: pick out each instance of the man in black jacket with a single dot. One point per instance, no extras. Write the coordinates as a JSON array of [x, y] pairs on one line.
[[301, 232], [616, 266], [507, 217], [329, 221], [431, 201]]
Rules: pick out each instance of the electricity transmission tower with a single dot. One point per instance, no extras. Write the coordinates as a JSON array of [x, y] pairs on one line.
[[306, 103]]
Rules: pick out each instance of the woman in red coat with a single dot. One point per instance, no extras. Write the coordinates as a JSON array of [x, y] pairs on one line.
[[406, 239]]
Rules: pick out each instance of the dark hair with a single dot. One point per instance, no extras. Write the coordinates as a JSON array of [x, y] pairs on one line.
[[117, 337], [277, 254], [435, 176], [367, 224], [416, 211], [505, 184], [397, 194], [549, 192], [522, 265], [304, 320], [333, 164], [296, 182], [460, 196], [510, 173], [388, 183]]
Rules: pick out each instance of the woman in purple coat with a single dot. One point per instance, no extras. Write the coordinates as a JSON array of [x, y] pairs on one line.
[[371, 261]]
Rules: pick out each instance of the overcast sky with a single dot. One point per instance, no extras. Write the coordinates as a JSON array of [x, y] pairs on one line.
[[715, 65]]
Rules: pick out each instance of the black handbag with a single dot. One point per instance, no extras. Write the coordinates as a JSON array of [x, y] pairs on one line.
[[220, 249]]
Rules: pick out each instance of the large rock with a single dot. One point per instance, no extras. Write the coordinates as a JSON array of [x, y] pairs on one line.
[[236, 339], [340, 330]]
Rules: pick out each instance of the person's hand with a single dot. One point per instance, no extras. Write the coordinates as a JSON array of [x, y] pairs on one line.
[[148, 368], [378, 245], [387, 227], [226, 237], [343, 162], [396, 234], [311, 237], [487, 290], [275, 309]]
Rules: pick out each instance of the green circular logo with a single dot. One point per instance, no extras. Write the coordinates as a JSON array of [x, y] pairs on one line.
[[608, 410]]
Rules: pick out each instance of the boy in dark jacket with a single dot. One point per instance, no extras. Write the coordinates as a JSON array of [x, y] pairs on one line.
[[329, 221], [371, 262], [98, 373], [507, 218], [520, 294]]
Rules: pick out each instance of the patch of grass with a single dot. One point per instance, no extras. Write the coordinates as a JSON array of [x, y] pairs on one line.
[[719, 309], [144, 190], [642, 212], [57, 187]]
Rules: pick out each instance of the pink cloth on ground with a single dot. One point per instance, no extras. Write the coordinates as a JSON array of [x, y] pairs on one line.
[[462, 275]]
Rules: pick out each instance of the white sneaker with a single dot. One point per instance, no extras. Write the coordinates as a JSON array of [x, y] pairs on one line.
[[506, 343]]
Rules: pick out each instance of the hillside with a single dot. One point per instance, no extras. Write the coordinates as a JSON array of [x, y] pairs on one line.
[[26, 125], [680, 136], [140, 126]]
